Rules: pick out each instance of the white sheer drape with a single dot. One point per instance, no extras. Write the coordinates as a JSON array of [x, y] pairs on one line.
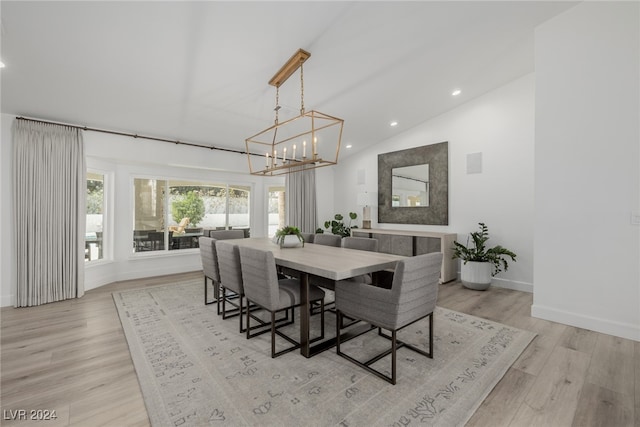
[[49, 210], [300, 190]]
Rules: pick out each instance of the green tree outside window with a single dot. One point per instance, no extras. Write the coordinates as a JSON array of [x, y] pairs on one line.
[[189, 205]]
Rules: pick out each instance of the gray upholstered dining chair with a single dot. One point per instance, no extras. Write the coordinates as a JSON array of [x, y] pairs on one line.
[[263, 288], [308, 237], [382, 278], [230, 280], [362, 244], [327, 239], [412, 297], [226, 234], [209, 260]]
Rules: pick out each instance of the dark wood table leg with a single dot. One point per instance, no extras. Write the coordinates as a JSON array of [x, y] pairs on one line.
[[305, 324], [305, 320]]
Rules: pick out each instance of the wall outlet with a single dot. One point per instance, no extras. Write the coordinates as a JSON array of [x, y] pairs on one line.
[[635, 218]]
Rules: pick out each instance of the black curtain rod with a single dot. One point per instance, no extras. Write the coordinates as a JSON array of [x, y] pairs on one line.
[[135, 135]]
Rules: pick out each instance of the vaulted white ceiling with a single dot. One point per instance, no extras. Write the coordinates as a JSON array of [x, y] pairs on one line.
[[198, 71]]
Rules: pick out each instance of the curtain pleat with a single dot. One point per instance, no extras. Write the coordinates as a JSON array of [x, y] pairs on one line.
[[300, 190], [49, 211]]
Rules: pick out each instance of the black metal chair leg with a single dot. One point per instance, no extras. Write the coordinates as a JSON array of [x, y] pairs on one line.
[[223, 297], [322, 319], [393, 357], [240, 315], [218, 299], [206, 292], [248, 318], [431, 336], [395, 345], [338, 321], [273, 334]]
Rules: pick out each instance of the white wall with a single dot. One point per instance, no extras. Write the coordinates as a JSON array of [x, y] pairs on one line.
[[587, 179], [7, 260], [500, 125], [122, 159]]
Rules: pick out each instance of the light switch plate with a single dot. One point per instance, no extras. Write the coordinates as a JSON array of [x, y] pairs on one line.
[[635, 218]]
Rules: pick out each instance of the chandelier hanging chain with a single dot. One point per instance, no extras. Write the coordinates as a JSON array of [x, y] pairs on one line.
[[277, 103], [301, 88]]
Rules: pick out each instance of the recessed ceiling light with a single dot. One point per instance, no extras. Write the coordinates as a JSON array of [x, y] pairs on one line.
[[456, 92], [1, 64], [393, 124], [348, 146]]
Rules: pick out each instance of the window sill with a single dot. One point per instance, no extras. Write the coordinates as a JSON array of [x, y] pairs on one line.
[[97, 263], [163, 254]]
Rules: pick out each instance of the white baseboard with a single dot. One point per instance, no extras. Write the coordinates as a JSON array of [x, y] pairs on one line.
[[509, 284], [104, 273], [106, 279], [605, 326], [512, 284], [7, 300], [145, 273], [99, 274]]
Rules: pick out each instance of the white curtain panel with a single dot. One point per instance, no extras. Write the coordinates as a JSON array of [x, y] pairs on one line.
[[300, 191], [49, 210]]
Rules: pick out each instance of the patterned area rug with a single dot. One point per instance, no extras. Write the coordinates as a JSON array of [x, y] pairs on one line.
[[196, 369]]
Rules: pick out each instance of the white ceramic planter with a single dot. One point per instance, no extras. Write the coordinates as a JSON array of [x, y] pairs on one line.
[[476, 275], [291, 241]]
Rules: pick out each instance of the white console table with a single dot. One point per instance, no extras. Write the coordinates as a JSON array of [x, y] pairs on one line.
[[411, 243]]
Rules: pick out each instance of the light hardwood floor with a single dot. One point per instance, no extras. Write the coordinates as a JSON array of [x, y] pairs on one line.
[[72, 357]]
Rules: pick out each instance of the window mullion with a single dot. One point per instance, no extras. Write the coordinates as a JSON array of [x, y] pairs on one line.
[[166, 215], [226, 209]]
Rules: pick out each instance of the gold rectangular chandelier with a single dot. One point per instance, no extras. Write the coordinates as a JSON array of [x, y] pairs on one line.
[[307, 141]]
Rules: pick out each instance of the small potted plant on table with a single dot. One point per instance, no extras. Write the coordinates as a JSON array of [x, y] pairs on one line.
[[480, 263], [289, 237]]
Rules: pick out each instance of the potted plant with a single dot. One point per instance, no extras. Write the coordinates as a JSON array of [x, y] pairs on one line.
[[338, 226], [289, 237], [480, 263]]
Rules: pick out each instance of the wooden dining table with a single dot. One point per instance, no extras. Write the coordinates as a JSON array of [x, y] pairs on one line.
[[324, 261]]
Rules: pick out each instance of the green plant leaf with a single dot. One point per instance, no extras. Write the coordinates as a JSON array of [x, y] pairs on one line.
[[189, 205], [286, 231], [338, 227], [477, 252]]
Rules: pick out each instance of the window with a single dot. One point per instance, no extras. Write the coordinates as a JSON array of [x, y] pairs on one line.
[[239, 208], [276, 209], [149, 215], [188, 208], [93, 243]]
